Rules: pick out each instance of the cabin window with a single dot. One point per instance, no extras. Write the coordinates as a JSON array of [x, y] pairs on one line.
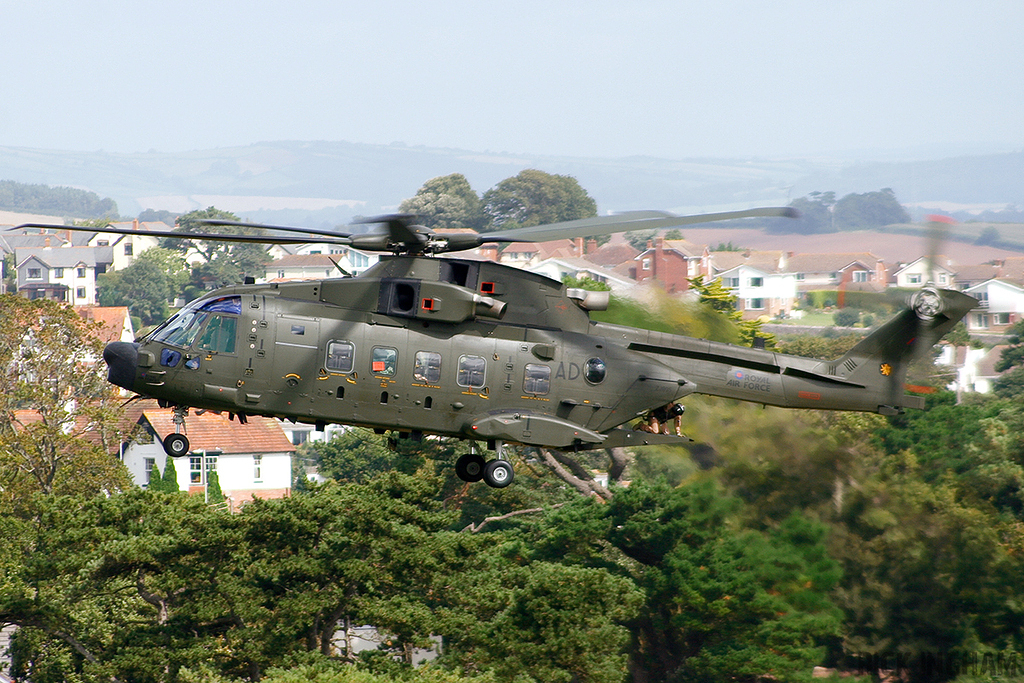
[[427, 367], [594, 370], [383, 360], [219, 335], [537, 379], [340, 356], [471, 371]]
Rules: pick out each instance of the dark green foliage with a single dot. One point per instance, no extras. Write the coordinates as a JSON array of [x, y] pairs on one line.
[[142, 287], [535, 198], [869, 210], [447, 202], [846, 317], [815, 215], [55, 201]]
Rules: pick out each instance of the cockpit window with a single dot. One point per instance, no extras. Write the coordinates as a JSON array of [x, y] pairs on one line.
[[181, 330], [225, 304], [219, 335]]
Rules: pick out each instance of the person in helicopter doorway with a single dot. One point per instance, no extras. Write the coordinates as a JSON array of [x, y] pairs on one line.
[[658, 419]]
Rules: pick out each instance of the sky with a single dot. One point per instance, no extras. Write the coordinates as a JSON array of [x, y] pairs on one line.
[[675, 79]]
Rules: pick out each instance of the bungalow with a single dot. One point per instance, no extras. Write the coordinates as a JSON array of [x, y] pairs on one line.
[[921, 271], [251, 460]]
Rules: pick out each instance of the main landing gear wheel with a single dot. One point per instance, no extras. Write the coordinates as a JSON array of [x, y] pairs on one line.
[[470, 467], [498, 474], [176, 445]]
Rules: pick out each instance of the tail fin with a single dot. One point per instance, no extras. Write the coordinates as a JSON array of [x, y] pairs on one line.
[[881, 359]]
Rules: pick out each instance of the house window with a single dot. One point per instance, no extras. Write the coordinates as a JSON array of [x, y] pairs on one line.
[[860, 276], [149, 464], [58, 273], [81, 272], [472, 370], [982, 298], [914, 279], [80, 293], [257, 468], [757, 282], [799, 277], [943, 279], [340, 356], [980, 320], [733, 282], [195, 470], [128, 249], [755, 304], [280, 273], [427, 367], [1000, 318], [646, 263], [35, 273]]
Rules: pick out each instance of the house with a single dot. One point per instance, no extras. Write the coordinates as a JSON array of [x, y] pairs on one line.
[[558, 268], [1000, 304], [526, 254], [303, 267], [353, 261], [975, 367], [61, 273], [832, 271], [968, 276], [124, 248], [672, 263], [115, 322], [759, 280], [251, 460], [921, 271]]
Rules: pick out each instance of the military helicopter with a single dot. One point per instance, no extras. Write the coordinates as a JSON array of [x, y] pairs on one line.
[[426, 345]]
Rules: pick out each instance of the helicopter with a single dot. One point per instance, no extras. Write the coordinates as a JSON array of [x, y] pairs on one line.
[[423, 344]]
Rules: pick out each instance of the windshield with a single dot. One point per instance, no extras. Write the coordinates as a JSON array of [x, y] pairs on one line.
[[181, 330]]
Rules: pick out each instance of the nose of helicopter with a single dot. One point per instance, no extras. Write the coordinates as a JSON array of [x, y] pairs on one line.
[[121, 358]]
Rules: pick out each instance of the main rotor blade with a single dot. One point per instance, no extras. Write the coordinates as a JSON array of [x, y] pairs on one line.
[[283, 228], [636, 220], [212, 237]]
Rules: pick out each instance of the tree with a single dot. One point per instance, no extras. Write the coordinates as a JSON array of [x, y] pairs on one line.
[[1013, 355], [143, 287], [815, 215], [59, 417], [225, 263], [535, 198], [447, 202], [714, 295], [869, 210]]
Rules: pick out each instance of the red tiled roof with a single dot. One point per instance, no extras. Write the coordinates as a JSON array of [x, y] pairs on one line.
[[212, 431], [112, 319]]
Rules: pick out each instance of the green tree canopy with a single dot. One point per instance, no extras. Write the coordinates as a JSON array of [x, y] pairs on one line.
[[869, 210], [447, 202], [226, 262], [535, 198]]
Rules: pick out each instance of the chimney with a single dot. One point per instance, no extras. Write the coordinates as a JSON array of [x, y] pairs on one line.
[[47, 244], [135, 224], [578, 246], [591, 246]]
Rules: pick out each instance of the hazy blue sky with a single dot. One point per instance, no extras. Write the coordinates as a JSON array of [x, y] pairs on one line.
[[602, 78]]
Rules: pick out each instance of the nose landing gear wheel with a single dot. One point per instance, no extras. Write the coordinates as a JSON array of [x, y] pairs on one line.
[[498, 474], [176, 445], [470, 467]]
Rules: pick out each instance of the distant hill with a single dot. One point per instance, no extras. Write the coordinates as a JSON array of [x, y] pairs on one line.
[[323, 182]]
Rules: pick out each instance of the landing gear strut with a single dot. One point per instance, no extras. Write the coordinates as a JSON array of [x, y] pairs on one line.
[[497, 473], [176, 444]]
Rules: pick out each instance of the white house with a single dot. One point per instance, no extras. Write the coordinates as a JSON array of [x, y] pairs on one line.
[[353, 261], [918, 273], [557, 268], [253, 459], [61, 273], [975, 367], [1000, 304], [124, 248]]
